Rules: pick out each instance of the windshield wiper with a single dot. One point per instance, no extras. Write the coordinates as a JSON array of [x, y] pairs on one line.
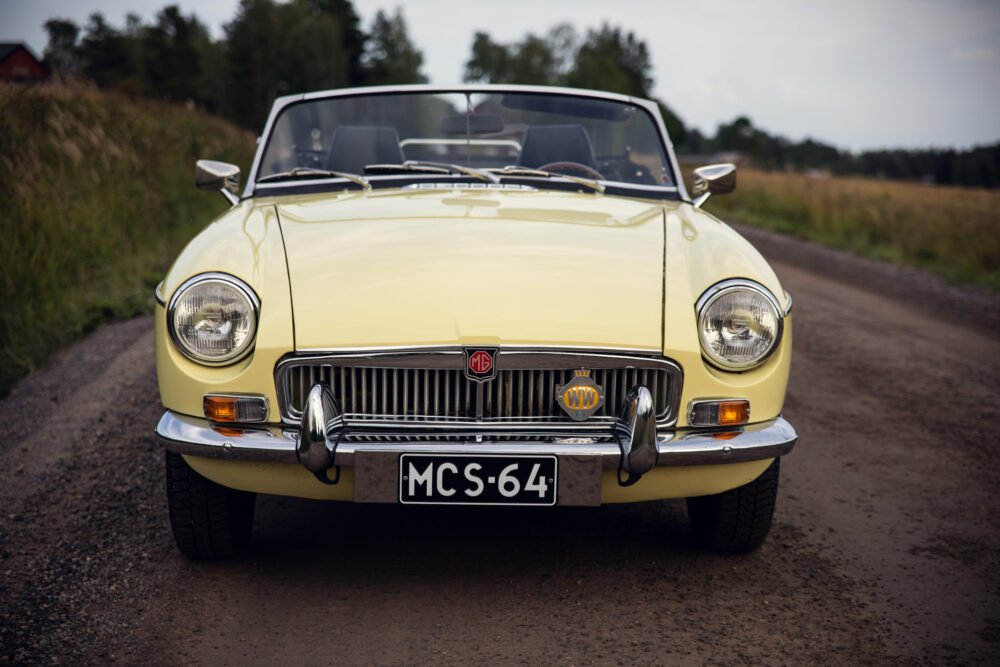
[[431, 168], [515, 170], [310, 172]]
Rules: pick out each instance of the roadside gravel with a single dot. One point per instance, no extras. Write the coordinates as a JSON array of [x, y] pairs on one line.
[[884, 550]]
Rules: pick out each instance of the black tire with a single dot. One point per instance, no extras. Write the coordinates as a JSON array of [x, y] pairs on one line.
[[208, 520], [736, 521]]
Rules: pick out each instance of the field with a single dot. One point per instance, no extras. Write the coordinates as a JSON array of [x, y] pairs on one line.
[[98, 196], [951, 231]]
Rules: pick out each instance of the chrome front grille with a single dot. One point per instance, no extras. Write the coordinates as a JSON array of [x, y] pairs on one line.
[[429, 388]]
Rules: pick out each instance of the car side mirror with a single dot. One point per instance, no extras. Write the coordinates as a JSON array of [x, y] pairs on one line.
[[713, 179], [221, 176]]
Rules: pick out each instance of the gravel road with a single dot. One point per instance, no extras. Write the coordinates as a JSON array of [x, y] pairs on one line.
[[885, 549]]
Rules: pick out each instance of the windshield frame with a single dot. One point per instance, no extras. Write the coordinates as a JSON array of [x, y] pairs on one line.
[[677, 190]]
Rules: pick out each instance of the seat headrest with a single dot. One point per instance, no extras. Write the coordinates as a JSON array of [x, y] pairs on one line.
[[354, 146], [544, 144]]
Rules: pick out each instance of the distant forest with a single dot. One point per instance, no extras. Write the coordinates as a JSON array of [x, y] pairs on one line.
[[272, 49]]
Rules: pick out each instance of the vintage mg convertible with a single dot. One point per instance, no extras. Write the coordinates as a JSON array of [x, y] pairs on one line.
[[478, 295]]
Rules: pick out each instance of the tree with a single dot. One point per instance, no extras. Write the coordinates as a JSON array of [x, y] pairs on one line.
[[104, 54], [612, 60], [276, 49], [608, 60], [171, 58], [675, 126], [251, 52], [534, 60], [390, 56], [489, 62], [62, 53]]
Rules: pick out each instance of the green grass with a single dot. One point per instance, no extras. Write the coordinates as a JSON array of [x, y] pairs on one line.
[[951, 231], [97, 192], [97, 198]]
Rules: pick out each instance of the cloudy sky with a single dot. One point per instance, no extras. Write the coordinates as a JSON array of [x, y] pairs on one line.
[[856, 73]]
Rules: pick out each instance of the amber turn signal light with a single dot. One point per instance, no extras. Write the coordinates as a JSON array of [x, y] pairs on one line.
[[723, 412], [226, 408], [734, 413]]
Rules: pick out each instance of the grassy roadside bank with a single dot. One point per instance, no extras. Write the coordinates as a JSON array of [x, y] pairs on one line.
[[97, 193], [951, 231], [97, 197]]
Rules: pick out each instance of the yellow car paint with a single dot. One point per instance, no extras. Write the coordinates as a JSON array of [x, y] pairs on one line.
[[538, 268], [244, 242], [475, 267]]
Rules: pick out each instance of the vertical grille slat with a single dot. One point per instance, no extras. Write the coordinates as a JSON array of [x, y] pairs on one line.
[[395, 395], [383, 407], [426, 393], [530, 405], [437, 391], [443, 394], [406, 392]]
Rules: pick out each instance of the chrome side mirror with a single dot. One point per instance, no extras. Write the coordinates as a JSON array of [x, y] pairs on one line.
[[221, 176], [713, 179]]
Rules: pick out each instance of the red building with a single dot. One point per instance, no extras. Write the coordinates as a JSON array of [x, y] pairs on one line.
[[18, 63]]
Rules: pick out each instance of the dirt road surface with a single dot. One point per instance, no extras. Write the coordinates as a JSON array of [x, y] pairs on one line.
[[885, 549]]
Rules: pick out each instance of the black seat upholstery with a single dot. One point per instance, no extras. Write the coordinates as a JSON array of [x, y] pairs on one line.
[[544, 144], [354, 146]]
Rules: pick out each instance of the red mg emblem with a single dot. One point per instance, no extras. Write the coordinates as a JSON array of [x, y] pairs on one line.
[[480, 364]]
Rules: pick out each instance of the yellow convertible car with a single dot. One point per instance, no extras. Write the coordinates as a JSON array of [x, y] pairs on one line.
[[470, 295]]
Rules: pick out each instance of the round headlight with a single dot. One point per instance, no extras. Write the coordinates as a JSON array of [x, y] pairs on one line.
[[213, 318], [739, 323]]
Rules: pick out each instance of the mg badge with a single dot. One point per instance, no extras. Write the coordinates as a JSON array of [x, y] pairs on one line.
[[480, 363], [580, 397]]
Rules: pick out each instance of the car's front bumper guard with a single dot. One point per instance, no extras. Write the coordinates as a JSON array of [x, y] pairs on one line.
[[319, 446]]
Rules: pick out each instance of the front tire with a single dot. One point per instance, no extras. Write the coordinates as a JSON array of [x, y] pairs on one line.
[[736, 521], [208, 520]]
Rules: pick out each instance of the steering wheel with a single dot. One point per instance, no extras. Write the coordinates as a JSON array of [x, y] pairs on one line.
[[573, 169]]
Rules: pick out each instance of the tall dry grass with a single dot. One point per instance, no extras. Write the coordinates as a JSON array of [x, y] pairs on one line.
[[97, 197], [952, 231]]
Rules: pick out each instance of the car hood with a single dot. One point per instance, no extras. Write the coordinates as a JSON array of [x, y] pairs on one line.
[[468, 267]]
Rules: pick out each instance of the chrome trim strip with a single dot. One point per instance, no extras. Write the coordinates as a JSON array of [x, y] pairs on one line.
[[461, 142], [431, 347], [724, 285], [158, 294], [518, 426], [219, 277], [452, 358], [735, 282], [198, 437], [437, 185]]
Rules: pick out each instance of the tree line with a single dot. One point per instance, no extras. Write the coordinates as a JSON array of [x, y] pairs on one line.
[[974, 167], [271, 49]]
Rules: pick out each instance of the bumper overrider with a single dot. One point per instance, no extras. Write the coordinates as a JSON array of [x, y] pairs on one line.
[[323, 443]]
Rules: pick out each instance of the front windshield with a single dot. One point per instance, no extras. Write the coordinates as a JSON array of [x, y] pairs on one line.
[[563, 134]]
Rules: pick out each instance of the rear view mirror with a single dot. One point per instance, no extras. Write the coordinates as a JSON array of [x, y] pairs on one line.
[[713, 179], [473, 123], [221, 176]]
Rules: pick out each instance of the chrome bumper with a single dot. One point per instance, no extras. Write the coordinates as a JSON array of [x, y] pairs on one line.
[[679, 447]]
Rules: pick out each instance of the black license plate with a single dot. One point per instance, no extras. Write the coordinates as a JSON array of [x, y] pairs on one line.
[[477, 479]]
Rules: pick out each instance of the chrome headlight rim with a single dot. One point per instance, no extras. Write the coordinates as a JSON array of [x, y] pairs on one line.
[[720, 289], [231, 281]]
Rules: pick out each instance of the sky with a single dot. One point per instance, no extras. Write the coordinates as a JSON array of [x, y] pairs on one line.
[[860, 74]]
